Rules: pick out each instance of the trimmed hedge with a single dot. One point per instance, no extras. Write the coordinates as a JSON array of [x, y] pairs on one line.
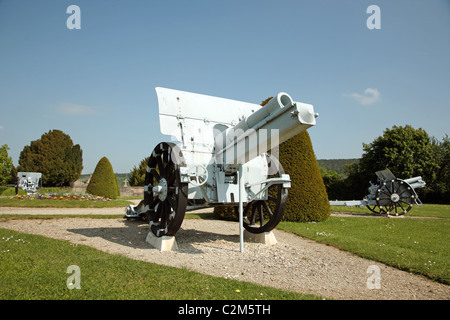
[[307, 197], [227, 213], [10, 191], [103, 182]]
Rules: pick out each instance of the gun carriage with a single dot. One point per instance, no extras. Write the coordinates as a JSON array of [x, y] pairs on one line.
[[218, 154], [390, 196]]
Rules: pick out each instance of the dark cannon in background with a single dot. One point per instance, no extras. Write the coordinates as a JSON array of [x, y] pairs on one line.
[[391, 196]]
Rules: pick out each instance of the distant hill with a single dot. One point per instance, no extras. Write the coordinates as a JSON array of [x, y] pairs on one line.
[[337, 165]]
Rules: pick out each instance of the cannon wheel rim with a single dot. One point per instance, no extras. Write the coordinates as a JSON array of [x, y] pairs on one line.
[[256, 211], [394, 197], [165, 213], [376, 209]]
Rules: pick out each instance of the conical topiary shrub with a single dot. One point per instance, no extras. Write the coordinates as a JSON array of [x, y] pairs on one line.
[[103, 182], [308, 199]]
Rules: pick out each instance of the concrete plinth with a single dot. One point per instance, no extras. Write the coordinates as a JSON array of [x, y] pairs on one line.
[[267, 238], [164, 243]]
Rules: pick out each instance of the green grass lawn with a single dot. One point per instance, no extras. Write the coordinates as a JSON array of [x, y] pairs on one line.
[[427, 210], [34, 267], [421, 246], [430, 210]]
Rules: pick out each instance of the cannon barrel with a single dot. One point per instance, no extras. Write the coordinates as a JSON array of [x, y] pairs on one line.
[[415, 182], [278, 121]]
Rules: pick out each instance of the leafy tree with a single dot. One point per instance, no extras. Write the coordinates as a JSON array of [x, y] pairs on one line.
[[55, 156], [12, 176], [137, 175], [438, 190], [333, 182], [6, 165], [329, 176], [103, 182], [406, 151]]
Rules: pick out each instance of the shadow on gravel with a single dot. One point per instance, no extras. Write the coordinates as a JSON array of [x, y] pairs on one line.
[[132, 236], [136, 231]]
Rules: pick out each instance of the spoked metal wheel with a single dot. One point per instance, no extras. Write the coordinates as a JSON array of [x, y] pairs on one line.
[[395, 197], [165, 195], [376, 209], [264, 215]]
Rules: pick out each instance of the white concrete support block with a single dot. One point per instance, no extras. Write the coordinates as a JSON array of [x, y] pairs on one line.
[[267, 238], [164, 243]]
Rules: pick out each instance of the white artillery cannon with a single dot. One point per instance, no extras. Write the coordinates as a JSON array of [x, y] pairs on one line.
[[30, 182], [219, 158], [390, 196]]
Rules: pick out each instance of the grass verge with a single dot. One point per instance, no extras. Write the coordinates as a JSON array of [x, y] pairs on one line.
[[420, 246], [34, 267]]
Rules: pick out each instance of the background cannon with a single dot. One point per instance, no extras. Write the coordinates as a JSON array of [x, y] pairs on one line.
[[30, 182], [390, 196], [218, 154]]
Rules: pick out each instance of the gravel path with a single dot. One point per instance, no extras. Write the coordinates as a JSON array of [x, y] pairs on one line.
[[212, 247]]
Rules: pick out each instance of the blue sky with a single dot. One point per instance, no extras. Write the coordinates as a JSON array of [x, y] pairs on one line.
[[97, 83]]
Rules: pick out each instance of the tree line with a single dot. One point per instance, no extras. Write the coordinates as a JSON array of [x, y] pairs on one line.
[[406, 151], [60, 161], [54, 155]]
